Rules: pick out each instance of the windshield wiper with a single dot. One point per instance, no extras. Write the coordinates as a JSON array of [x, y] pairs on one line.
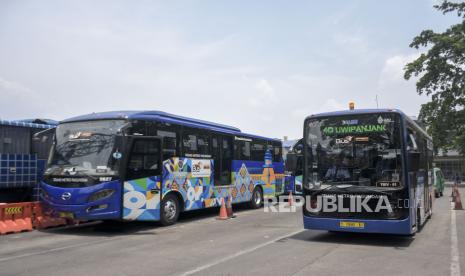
[[349, 186], [330, 187], [372, 190]]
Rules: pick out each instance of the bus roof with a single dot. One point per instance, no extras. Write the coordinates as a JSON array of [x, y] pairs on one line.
[[357, 111], [163, 117]]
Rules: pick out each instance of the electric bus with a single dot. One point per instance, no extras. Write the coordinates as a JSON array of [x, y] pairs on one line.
[[366, 171], [151, 165]]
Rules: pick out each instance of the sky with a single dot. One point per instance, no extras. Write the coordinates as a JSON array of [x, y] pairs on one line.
[[262, 66]]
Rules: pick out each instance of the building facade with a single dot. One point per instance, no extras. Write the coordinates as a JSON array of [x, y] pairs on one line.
[[451, 163]]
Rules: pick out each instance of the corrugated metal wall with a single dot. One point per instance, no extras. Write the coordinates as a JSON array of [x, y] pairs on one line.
[[15, 140], [22, 159], [18, 140]]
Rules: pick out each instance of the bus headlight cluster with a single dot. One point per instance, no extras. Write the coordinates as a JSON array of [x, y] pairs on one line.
[[101, 195]]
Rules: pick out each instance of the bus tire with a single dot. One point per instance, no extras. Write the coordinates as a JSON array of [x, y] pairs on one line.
[[257, 198], [169, 210]]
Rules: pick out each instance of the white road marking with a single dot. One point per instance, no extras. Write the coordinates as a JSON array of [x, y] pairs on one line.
[[156, 230], [455, 256], [237, 254]]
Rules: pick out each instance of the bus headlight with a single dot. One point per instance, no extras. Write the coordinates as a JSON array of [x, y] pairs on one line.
[[101, 195]]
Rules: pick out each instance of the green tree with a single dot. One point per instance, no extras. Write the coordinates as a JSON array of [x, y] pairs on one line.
[[441, 73]]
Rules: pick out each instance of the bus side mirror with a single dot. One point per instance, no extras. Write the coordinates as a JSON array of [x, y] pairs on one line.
[[413, 161], [291, 162], [43, 136]]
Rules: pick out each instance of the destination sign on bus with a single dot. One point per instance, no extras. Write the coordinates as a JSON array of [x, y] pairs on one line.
[[330, 130]]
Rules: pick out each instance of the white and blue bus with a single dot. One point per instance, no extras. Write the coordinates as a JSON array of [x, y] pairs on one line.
[[366, 171], [151, 165]]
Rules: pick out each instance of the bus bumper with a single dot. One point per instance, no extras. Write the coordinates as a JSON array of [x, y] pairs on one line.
[[399, 227], [77, 207]]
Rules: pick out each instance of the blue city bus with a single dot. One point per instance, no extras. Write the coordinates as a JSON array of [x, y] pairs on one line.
[[151, 165], [293, 176], [374, 156]]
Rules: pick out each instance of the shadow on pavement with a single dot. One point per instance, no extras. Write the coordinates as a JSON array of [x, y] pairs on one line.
[[355, 238], [119, 228]]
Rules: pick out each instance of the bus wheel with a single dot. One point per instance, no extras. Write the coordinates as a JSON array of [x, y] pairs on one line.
[[257, 198], [169, 212]]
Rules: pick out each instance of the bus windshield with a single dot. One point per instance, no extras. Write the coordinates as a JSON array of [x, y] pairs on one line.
[[85, 148], [358, 150]]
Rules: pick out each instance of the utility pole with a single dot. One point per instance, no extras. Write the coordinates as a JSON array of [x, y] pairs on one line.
[[376, 99]]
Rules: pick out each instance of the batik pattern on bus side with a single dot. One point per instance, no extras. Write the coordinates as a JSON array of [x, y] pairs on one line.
[[141, 200], [193, 179], [199, 191]]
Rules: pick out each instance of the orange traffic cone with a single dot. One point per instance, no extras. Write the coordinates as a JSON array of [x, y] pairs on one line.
[[223, 212], [290, 199], [229, 209], [458, 200]]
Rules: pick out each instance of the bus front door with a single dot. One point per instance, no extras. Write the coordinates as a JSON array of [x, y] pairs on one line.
[[142, 181]]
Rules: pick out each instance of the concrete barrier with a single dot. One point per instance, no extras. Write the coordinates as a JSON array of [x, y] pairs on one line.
[[42, 220], [15, 217]]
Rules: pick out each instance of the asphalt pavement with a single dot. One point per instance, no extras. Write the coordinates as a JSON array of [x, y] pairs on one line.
[[253, 243]]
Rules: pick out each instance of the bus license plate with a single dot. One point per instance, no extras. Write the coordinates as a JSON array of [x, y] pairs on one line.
[[66, 215], [352, 224]]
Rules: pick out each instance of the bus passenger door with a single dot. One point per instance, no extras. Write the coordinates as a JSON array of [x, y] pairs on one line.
[[142, 182], [226, 159], [413, 163], [216, 155], [222, 159]]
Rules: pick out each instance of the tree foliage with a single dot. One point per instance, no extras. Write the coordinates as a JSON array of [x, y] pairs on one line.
[[441, 75]]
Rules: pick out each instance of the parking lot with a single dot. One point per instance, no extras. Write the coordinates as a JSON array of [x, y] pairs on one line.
[[253, 243]]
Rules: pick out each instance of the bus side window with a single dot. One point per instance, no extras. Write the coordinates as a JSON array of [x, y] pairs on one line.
[[277, 154], [411, 143], [144, 160], [258, 150], [138, 128], [169, 143], [242, 150], [245, 150], [203, 143], [189, 143]]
